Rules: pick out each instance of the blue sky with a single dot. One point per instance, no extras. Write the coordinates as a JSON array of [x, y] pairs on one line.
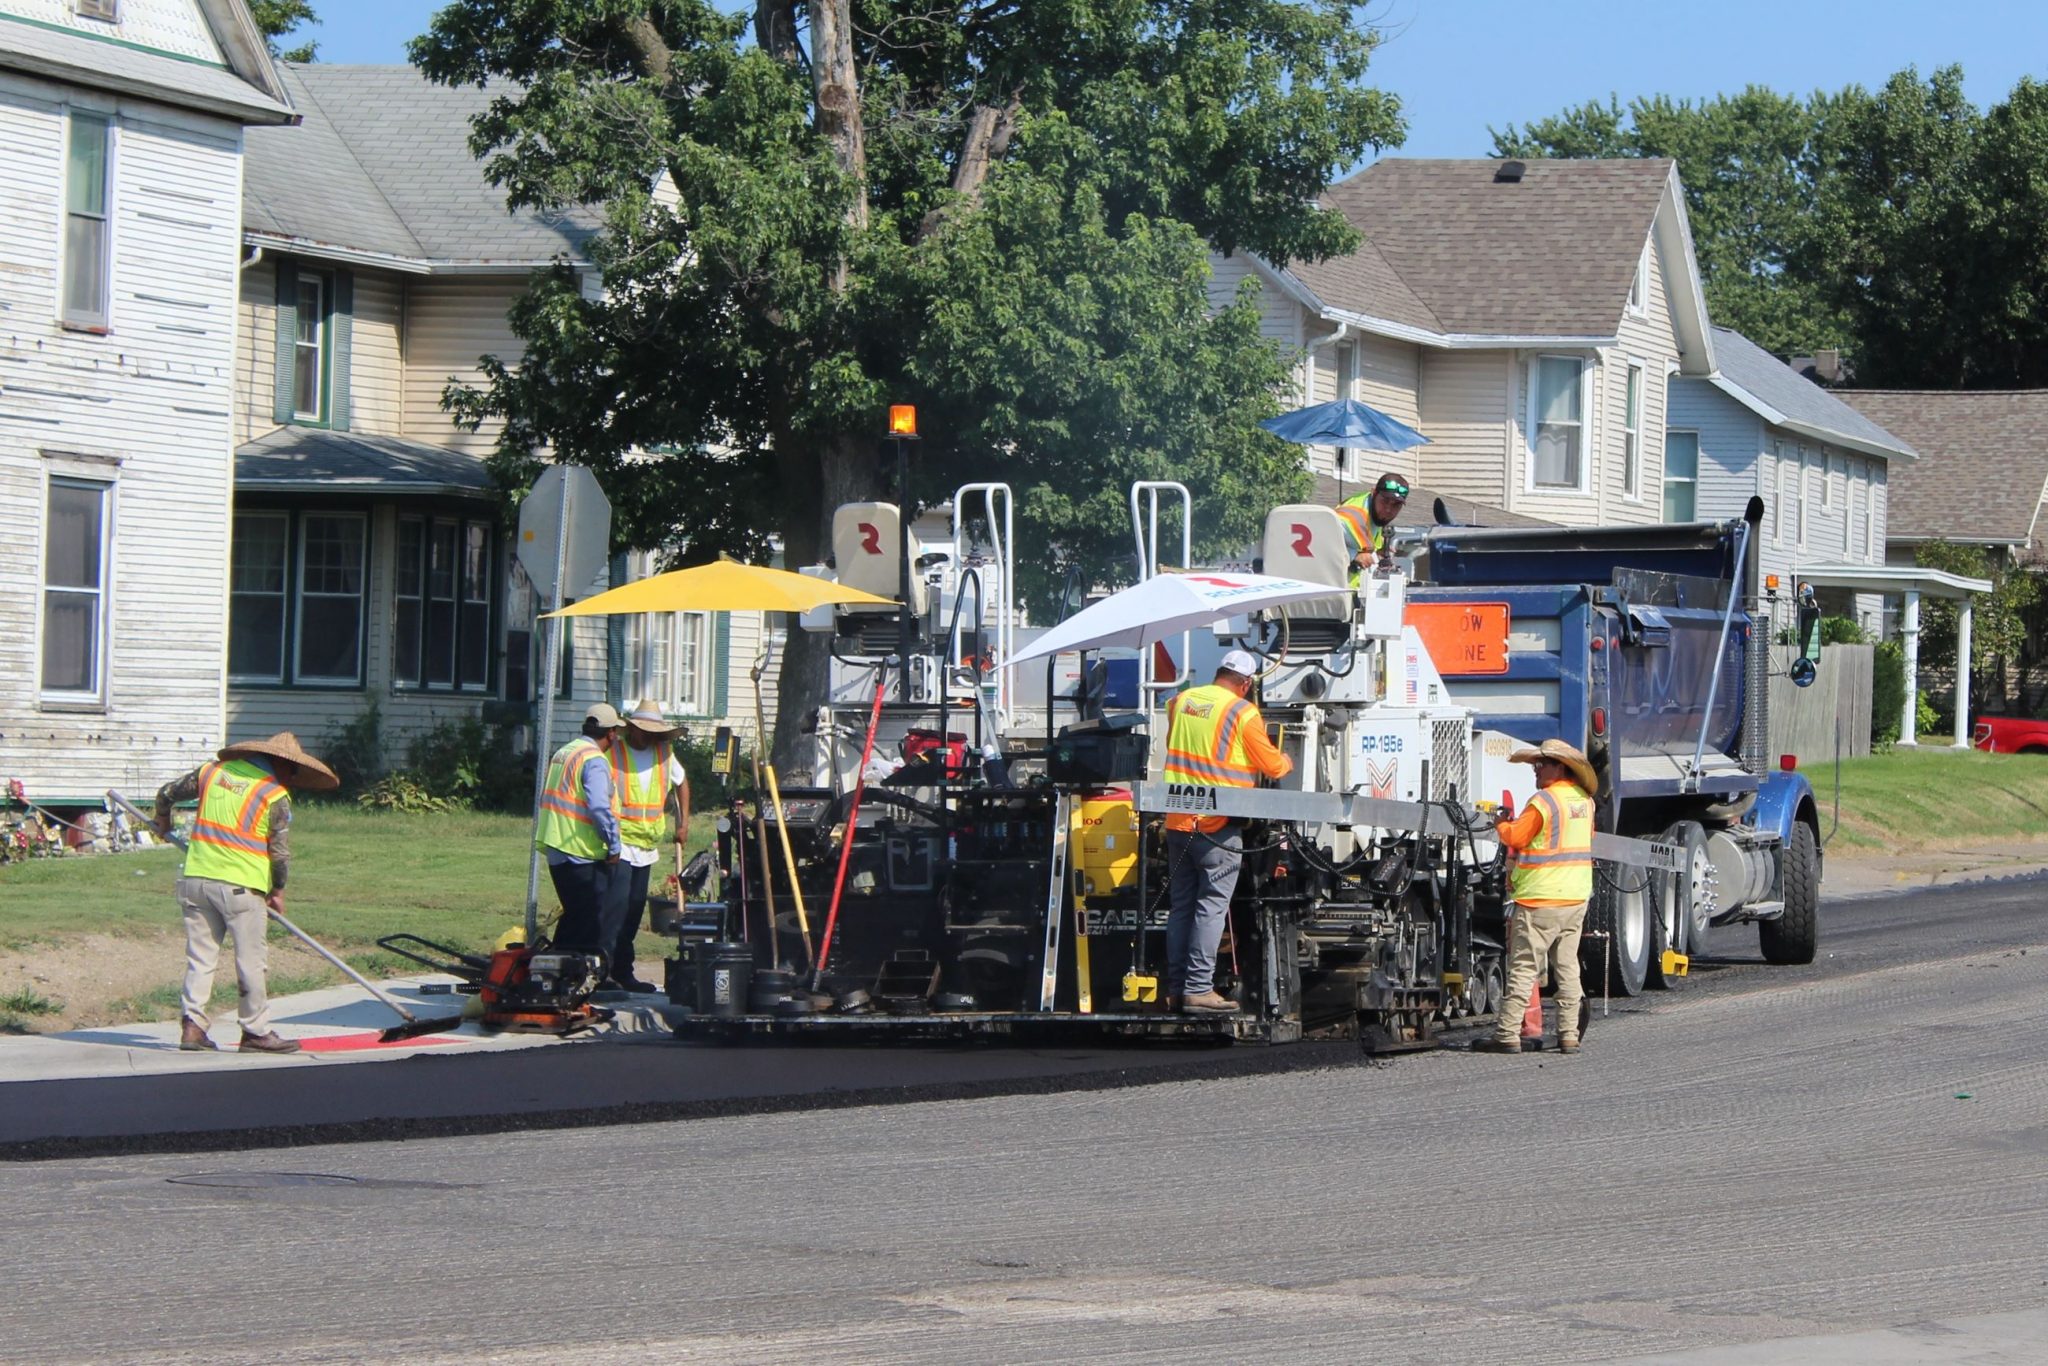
[[1462, 65]]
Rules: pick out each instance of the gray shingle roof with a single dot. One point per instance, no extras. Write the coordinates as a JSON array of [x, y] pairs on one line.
[[1983, 465], [1452, 250], [307, 459], [70, 56], [382, 164], [1777, 385]]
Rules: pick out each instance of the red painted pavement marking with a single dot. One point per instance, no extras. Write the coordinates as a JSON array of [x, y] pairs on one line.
[[345, 1043]]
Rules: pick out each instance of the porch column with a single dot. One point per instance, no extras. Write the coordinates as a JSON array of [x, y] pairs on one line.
[[1963, 672], [1909, 632]]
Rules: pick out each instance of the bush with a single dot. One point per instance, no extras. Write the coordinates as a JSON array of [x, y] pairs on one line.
[[466, 763], [1833, 631], [400, 792], [704, 784], [1887, 693], [355, 751]]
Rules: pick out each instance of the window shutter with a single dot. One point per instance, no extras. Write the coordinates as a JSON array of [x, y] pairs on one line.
[[721, 651], [287, 332], [615, 639], [339, 331]]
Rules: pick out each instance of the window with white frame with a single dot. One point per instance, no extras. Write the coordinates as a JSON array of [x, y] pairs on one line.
[[257, 574], [1681, 476], [1639, 287], [1347, 387], [1557, 423], [77, 535], [87, 197], [669, 657], [1632, 434], [1872, 542], [1828, 466], [109, 10], [1803, 473], [333, 553], [309, 348]]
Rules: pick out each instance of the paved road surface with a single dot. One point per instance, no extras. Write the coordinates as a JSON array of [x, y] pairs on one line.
[[1762, 1156]]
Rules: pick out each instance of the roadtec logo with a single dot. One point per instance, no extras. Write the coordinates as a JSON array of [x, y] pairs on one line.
[[1186, 797]]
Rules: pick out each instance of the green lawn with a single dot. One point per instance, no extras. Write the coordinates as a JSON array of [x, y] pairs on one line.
[[1934, 795], [459, 878]]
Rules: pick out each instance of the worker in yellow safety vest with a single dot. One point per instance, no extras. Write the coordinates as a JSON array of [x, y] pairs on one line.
[[578, 829], [1550, 882], [650, 786], [1215, 737], [1368, 522], [236, 862]]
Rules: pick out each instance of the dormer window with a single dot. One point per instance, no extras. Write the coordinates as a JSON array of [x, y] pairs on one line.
[[109, 10]]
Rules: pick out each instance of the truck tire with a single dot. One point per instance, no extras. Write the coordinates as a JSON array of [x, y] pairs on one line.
[[1794, 937], [1624, 918]]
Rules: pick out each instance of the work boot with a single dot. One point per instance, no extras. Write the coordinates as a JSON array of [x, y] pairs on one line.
[[273, 1042], [192, 1037], [1491, 1045], [1567, 1043], [1208, 1003]]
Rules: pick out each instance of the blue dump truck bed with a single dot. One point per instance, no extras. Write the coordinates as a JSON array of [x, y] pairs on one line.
[[1614, 640]]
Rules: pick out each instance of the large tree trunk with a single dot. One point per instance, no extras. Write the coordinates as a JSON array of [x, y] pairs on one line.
[[841, 471], [837, 86]]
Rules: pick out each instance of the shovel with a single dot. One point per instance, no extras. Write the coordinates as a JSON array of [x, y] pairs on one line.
[[413, 1027]]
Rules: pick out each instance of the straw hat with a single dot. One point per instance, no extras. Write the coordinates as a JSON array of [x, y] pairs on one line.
[[1557, 751], [646, 716], [312, 775]]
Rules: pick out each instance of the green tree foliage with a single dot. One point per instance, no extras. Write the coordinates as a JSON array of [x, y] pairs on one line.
[[1998, 620], [1901, 225], [999, 210], [277, 18], [1743, 160]]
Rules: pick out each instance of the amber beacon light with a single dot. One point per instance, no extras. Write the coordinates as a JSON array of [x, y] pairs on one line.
[[902, 419]]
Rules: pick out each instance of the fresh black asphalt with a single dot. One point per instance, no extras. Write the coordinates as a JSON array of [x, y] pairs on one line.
[[656, 1079]]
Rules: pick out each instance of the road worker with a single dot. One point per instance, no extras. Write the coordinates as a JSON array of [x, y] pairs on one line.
[[1368, 520], [234, 875], [579, 831], [1214, 738], [1550, 881], [651, 786]]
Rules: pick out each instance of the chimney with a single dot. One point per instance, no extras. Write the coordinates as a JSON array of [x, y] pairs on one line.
[[1824, 366], [1510, 173]]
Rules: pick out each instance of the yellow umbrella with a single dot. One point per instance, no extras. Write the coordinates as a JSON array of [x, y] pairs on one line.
[[726, 586]]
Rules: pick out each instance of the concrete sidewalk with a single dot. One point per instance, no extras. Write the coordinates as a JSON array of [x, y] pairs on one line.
[[335, 1024]]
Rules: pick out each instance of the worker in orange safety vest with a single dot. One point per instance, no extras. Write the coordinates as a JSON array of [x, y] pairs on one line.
[[1550, 882], [1214, 738]]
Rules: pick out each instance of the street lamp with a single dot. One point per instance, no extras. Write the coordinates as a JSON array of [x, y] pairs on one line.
[[903, 430]]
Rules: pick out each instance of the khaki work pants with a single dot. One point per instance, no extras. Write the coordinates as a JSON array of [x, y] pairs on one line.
[[214, 909], [1542, 935]]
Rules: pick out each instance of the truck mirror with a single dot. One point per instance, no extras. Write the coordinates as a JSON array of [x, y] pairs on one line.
[[1804, 671], [1809, 630]]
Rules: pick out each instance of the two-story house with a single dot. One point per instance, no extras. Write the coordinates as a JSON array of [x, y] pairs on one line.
[[121, 153], [1527, 317], [371, 560]]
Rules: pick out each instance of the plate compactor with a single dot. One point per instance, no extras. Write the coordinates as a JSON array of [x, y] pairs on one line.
[[531, 989]]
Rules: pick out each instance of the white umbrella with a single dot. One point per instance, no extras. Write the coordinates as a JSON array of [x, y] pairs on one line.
[[1167, 604]]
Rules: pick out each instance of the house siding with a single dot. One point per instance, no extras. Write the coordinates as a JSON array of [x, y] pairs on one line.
[[449, 324], [1388, 378], [155, 394], [1648, 338], [1463, 409]]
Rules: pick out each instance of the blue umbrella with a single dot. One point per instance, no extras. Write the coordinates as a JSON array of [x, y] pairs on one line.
[[1346, 422]]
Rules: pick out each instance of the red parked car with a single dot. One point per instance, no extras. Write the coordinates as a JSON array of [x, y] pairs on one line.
[[2010, 735]]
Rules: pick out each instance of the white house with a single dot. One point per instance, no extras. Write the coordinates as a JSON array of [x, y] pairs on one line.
[[1759, 427], [1526, 316], [121, 127]]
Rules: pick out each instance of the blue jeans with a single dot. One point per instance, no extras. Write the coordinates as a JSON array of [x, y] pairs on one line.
[[1204, 875]]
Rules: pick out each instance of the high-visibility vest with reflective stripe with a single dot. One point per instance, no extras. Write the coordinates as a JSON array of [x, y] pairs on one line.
[[1361, 532], [1558, 864], [231, 836], [639, 794], [565, 822], [1205, 738]]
